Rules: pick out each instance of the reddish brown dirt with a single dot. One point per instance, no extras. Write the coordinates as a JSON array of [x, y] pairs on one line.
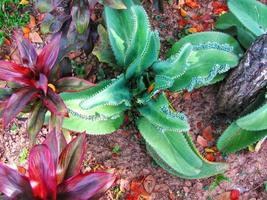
[[247, 170]]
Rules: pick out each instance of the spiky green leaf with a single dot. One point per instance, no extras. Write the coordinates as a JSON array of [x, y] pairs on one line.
[[98, 110], [134, 45], [234, 138], [251, 13], [211, 55], [174, 152], [158, 113], [255, 121]]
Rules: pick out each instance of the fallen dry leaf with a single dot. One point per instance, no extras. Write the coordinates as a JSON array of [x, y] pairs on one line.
[[181, 3], [192, 3], [26, 30], [32, 22], [192, 30], [234, 195], [35, 37], [183, 13], [210, 157], [149, 183], [202, 141], [24, 2], [223, 196], [207, 134], [7, 42], [26, 35]]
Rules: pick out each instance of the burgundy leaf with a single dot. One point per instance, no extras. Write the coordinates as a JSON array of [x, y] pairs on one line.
[[2, 108], [80, 15], [56, 142], [62, 69], [42, 83], [14, 185], [55, 104], [36, 120], [16, 73], [42, 172], [55, 122], [17, 102], [70, 160], [72, 84], [85, 186], [27, 51], [47, 58]]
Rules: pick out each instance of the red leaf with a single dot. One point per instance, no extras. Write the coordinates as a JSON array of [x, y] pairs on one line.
[[70, 160], [17, 102], [47, 58], [72, 84], [56, 142], [42, 172], [207, 134], [192, 3], [16, 73], [55, 104], [27, 51], [85, 186], [36, 120], [42, 83], [210, 157], [202, 141], [13, 184], [235, 194], [182, 22]]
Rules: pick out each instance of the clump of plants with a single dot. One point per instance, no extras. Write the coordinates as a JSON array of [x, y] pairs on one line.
[[54, 172], [33, 86], [243, 95], [73, 19], [246, 20], [129, 44], [13, 14]]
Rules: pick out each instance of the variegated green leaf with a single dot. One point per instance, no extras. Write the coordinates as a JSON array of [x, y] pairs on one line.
[[173, 152], [98, 110], [158, 113], [134, 45], [211, 55]]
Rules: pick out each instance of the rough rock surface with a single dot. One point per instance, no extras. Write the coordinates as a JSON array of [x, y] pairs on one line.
[[244, 82]]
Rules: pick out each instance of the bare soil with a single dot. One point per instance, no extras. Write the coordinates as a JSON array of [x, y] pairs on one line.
[[247, 170]]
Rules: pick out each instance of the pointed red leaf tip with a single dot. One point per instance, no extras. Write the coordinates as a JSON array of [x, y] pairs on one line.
[[86, 186], [72, 84], [55, 104], [27, 51], [42, 83], [42, 172], [16, 73], [47, 58], [56, 142], [13, 184], [16, 103], [71, 158]]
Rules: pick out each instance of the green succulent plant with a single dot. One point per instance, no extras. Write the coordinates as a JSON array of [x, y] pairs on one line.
[[130, 45], [247, 18], [247, 130]]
